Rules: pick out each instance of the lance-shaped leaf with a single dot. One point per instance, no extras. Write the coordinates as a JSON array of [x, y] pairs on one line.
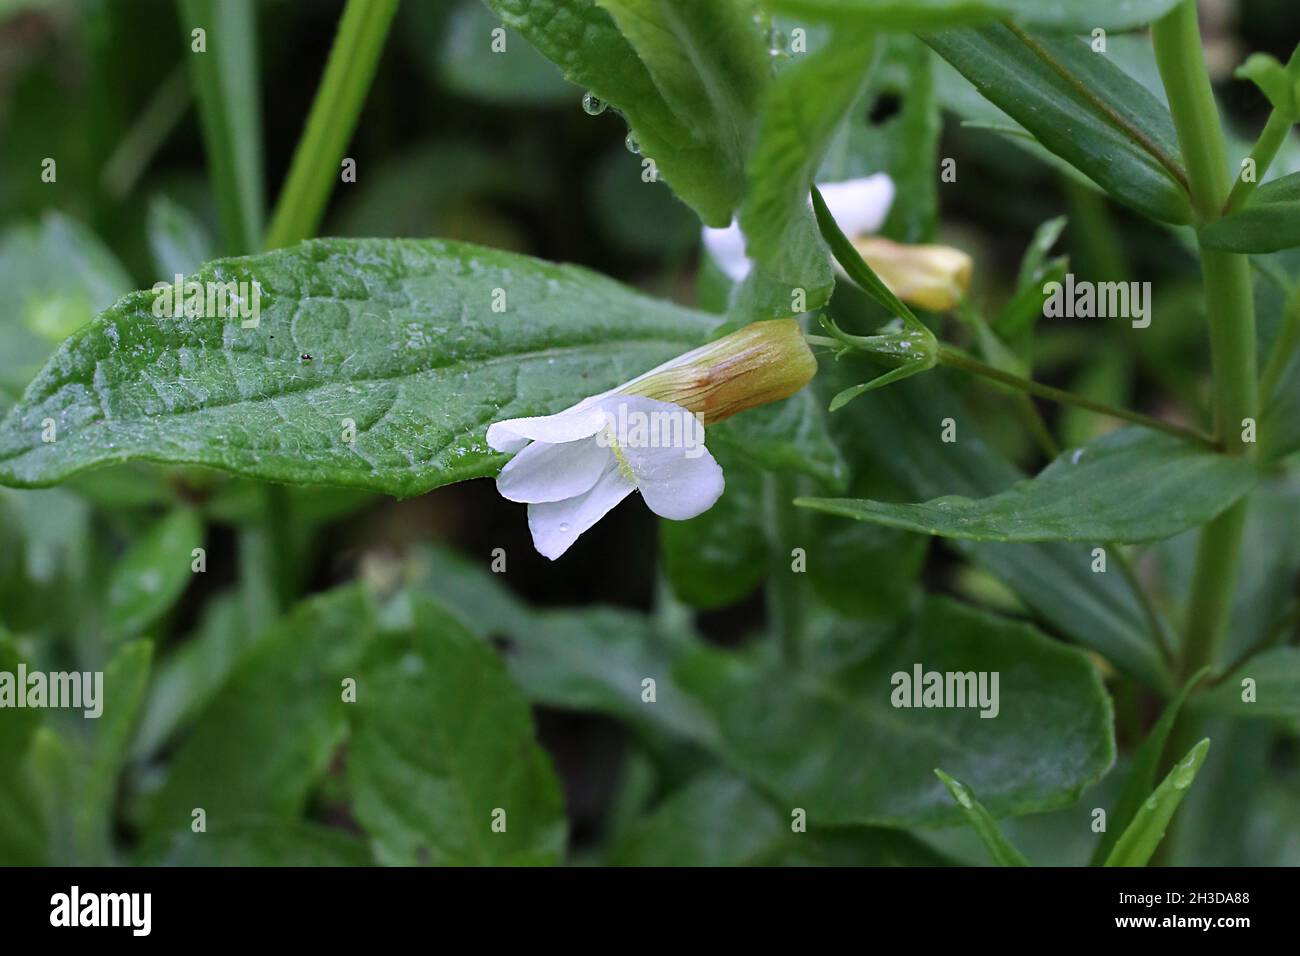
[[1140, 839], [854, 747], [1000, 848], [375, 364], [1269, 222], [685, 75], [1129, 485], [153, 573], [1081, 107], [1081, 16], [1142, 773]]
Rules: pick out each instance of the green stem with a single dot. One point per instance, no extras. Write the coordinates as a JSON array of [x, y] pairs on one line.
[[334, 114], [1231, 313], [957, 359], [1265, 148], [785, 586]]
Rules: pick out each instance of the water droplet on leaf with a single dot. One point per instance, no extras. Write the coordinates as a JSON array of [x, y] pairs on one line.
[[631, 143], [593, 105]]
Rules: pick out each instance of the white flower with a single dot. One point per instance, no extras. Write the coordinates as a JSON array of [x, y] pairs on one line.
[[860, 206], [645, 435], [583, 461]]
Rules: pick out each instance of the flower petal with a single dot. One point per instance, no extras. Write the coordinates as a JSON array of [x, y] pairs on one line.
[[727, 247], [572, 424], [860, 206], [674, 484], [546, 472], [556, 525]]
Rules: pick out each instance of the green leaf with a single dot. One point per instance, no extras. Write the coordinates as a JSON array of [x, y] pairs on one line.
[[1142, 772], [1278, 84], [837, 746], [1143, 835], [442, 747], [685, 75], [396, 335], [720, 820], [1129, 485], [262, 744], [226, 81], [259, 843], [187, 679], [1268, 222], [1054, 579], [125, 678], [1080, 107], [792, 435], [469, 64], [799, 114], [1275, 687], [718, 558], [999, 847], [153, 573], [1081, 16]]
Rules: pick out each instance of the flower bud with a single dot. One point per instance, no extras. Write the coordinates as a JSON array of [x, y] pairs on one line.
[[931, 277], [763, 362]]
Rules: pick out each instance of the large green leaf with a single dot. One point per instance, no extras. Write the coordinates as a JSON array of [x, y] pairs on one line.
[[397, 336], [443, 753], [1116, 133], [1268, 222], [799, 114], [837, 746], [264, 742], [685, 75], [1129, 485], [1081, 16]]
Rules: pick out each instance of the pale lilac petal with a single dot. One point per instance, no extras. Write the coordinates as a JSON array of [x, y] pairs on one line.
[[546, 472], [727, 248], [676, 483], [556, 525], [581, 421], [859, 206]]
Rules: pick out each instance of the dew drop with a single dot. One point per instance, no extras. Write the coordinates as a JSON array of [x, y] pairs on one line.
[[564, 527], [630, 142], [593, 105], [775, 42]]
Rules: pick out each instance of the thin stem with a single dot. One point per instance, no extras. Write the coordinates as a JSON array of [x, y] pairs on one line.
[[1231, 313], [334, 114], [956, 359], [1265, 148], [785, 586], [1133, 132], [147, 134]]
